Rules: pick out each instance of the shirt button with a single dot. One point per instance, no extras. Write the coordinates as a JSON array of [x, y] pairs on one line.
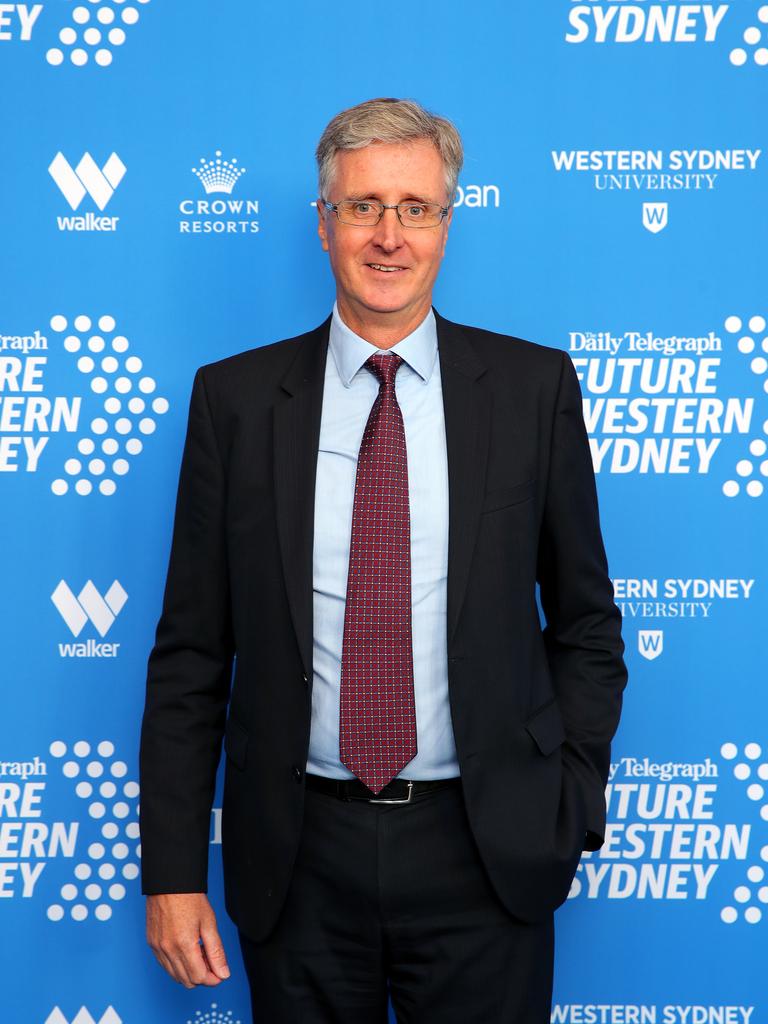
[[298, 774]]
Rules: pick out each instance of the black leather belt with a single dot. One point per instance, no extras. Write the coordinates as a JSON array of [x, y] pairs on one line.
[[398, 791]]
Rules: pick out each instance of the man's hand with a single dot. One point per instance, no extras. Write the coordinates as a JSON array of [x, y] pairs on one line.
[[176, 922]]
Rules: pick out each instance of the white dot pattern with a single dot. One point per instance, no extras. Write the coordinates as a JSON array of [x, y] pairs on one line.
[[102, 861], [377, 717], [755, 487], [117, 382]]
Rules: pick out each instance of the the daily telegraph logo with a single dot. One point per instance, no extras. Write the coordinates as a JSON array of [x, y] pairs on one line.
[[86, 37], [656, 404], [219, 213], [89, 606], [84, 1016], [655, 171], [666, 24], [685, 831], [69, 835], [87, 179], [116, 408]]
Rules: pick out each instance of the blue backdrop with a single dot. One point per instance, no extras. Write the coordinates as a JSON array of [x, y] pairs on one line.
[[613, 204]]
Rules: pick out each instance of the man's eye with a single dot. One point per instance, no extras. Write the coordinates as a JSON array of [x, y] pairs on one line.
[[415, 210], [362, 208]]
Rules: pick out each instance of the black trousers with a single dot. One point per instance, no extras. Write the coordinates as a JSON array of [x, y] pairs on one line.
[[392, 900]]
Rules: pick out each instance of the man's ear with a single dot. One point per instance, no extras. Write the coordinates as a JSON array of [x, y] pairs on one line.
[[448, 219], [322, 229]]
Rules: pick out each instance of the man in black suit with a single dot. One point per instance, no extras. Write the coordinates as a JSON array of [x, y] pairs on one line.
[[414, 765]]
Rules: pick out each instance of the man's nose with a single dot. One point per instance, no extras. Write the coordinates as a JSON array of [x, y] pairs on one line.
[[389, 231]]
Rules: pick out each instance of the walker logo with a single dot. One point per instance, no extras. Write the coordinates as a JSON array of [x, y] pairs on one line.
[[673, 825], [219, 216], [95, 828], [109, 438], [655, 216], [87, 179], [83, 1016], [650, 643], [648, 414], [642, 22], [89, 606]]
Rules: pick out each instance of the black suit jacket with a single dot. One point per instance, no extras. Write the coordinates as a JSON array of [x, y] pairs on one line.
[[533, 710]]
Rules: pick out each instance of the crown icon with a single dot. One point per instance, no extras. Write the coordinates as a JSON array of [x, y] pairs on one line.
[[218, 175], [213, 1016]]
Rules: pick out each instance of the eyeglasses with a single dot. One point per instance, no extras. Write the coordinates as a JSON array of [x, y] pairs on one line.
[[366, 212]]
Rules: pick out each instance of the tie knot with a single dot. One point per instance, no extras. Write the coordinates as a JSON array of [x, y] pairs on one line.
[[384, 367]]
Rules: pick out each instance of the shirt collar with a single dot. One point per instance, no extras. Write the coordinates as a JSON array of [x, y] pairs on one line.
[[350, 351]]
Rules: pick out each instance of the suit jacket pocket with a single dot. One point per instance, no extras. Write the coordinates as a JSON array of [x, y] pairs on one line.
[[503, 497], [546, 728], [236, 743]]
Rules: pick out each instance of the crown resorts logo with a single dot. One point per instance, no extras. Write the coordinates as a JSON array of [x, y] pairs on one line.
[[213, 1016], [87, 179], [109, 441], [648, 414], [219, 216], [84, 1016], [667, 838], [664, 23], [218, 175], [102, 840], [89, 606]]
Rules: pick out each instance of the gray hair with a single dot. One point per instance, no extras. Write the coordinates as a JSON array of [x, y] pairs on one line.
[[389, 120]]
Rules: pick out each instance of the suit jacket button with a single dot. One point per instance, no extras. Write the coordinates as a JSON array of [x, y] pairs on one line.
[[298, 774], [304, 677]]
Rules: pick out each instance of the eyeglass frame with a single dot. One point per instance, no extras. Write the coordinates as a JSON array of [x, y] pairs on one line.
[[444, 210]]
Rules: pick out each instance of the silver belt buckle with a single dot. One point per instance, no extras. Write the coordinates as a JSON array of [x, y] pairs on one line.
[[402, 800]]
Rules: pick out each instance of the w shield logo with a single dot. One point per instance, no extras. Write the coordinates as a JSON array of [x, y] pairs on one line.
[[655, 216], [89, 605], [650, 643], [84, 1017], [87, 179]]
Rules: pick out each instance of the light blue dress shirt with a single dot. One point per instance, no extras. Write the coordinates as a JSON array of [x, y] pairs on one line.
[[350, 391]]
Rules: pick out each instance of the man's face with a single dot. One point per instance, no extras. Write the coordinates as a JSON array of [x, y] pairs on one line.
[[390, 173]]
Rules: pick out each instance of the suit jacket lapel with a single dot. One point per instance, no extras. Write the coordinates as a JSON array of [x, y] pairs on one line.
[[467, 429], [296, 439]]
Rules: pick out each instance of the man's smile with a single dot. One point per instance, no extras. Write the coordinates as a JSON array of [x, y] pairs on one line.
[[385, 268]]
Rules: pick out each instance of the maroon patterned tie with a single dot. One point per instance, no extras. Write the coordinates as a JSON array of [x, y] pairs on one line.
[[377, 727]]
